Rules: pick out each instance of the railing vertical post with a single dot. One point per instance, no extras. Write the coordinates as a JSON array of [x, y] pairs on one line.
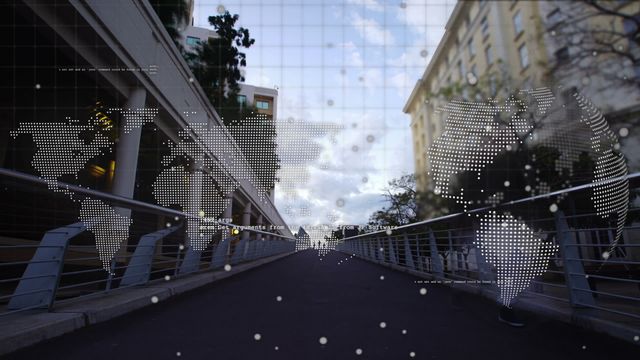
[[579, 290], [451, 254], [392, 251], [408, 256], [178, 256], [191, 261], [419, 254], [379, 250], [110, 275], [366, 245], [220, 253], [139, 267], [39, 283], [436, 262]]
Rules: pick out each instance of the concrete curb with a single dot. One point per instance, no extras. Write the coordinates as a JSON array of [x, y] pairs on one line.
[[24, 329], [579, 317]]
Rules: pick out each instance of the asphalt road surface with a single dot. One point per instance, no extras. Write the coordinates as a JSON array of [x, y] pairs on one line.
[[288, 308]]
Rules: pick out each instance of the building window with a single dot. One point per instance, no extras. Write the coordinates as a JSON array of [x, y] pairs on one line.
[[484, 26], [488, 55], [517, 22], [263, 105], [461, 70], [242, 100], [193, 41], [472, 49], [524, 56]]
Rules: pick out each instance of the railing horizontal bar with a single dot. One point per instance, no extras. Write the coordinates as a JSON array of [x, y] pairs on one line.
[[514, 202]]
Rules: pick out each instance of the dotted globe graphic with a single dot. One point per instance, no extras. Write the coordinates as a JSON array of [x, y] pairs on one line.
[[561, 121]]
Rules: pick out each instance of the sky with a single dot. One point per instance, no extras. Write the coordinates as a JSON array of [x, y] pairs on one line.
[[347, 64]]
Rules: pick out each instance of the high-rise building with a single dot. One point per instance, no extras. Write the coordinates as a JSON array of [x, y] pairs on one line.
[[491, 48], [265, 100]]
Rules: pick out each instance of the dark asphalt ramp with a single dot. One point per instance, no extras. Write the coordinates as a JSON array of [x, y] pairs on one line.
[[344, 303]]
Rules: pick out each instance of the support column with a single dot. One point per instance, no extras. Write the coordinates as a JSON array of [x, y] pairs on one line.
[[127, 149], [246, 220], [239, 252], [227, 215], [195, 242]]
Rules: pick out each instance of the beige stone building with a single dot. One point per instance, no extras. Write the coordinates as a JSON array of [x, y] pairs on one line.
[[489, 49]]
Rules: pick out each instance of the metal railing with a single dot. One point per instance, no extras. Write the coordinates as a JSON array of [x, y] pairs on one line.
[[39, 268], [443, 250]]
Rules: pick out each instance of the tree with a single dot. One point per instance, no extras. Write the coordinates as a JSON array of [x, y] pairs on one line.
[[406, 205], [217, 65], [599, 37], [173, 14]]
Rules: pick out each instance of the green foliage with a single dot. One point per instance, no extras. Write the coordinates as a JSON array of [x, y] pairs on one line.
[[406, 205], [217, 65], [172, 13]]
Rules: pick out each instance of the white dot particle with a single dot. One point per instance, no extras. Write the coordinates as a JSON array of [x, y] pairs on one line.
[[584, 347], [154, 299], [507, 183], [323, 340], [227, 267], [623, 132], [605, 255], [358, 351], [404, 332], [423, 291], [553, 208], [167, 277], [388, 232], [178, 354], [412, 354], [276, 348], [383, 325], [527, 188], [636, 338], [278, 298], [257, 337], [38, 86], [381, 277]]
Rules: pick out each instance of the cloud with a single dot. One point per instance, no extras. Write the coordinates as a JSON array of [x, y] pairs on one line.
[[372, 32], [353, 56], [372, 5], [424, 16]]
